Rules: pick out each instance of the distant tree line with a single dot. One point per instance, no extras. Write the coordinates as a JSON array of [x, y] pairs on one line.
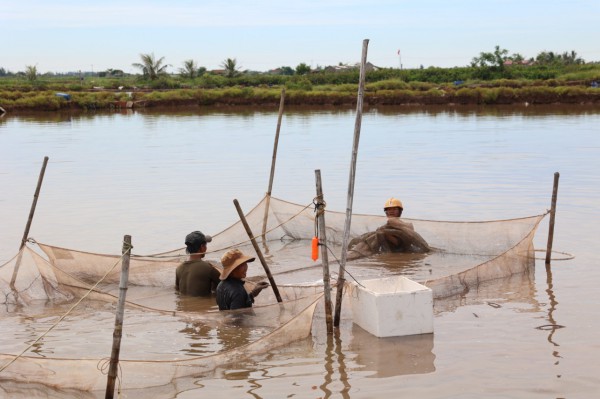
[[494, 65]]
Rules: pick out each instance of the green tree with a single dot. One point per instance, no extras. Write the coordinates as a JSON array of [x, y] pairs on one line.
[[286, 70], [231, 67], [31, 72], [302, 69], [517, 58], [495, 59], [570, 58], [546, 58], [3, 72], [189, 70], [151, 67]]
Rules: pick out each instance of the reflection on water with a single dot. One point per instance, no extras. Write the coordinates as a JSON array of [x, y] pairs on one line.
[[186, 303], [12, 390], [202, 339], [552, 326], [518, 288], [391, 356], [335, 362]]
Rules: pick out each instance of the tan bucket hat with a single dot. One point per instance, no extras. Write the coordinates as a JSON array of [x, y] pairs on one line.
[[232, 259]]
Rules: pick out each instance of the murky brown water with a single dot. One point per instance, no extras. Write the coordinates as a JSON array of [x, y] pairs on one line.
[[158, 176]]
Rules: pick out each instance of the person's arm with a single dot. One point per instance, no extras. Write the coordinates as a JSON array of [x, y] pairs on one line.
[[257, 289]]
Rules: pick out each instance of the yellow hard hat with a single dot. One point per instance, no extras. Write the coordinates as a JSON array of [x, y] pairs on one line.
[[393, 203]]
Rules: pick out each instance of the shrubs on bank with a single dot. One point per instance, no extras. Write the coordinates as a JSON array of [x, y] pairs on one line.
[[321, 95], [520, 84]]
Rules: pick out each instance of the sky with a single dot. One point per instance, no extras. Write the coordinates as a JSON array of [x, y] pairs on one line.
[[65, 35]]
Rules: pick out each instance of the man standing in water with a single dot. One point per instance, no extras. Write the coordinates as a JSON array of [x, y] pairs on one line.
[[196, 277], [394, 236], [231, 293], [393, 208]]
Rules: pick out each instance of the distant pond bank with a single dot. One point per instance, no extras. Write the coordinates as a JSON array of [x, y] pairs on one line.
[[100, 99]]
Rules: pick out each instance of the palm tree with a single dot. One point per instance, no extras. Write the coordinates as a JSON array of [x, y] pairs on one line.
[[231, 67], [189, 70], [151, 67], [571, 58]]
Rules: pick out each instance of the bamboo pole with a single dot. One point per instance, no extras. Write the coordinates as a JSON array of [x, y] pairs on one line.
[[257, 249], [118, 332], [29, 221], [271, 177], [323, 244], [357, 124], [552, 219]]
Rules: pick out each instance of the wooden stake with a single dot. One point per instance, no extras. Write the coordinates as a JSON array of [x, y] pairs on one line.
[[357, 124], [552, 218], [118, 332], [29, 220], [269, 190], [324, 257], [257, 249]]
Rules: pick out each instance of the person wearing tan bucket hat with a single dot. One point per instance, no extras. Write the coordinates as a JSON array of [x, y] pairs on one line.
[[196, 277], [231, 293]]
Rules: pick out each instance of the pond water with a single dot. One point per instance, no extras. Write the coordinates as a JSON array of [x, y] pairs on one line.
[[158, 175]]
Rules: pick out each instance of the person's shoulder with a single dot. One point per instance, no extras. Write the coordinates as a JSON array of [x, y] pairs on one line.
[[183, 265], [199, 262]]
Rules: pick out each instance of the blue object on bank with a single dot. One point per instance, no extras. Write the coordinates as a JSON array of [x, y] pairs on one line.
[[458, 82], [595, 84], [64, 95]]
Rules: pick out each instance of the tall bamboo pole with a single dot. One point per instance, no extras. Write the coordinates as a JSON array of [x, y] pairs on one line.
[[552, 218], [357, 124], [323, 245], [257, 249], [29, 221], [118, 331], [275, 145]]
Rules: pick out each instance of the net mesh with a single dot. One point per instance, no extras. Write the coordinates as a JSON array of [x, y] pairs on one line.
[[42, 281]]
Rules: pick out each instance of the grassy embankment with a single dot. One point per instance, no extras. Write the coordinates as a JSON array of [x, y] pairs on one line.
[[518, 84]]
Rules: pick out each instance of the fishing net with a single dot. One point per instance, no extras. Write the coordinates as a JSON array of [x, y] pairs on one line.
[[168, 336]]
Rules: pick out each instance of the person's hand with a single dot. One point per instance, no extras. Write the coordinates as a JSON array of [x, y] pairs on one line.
[[258, 288]]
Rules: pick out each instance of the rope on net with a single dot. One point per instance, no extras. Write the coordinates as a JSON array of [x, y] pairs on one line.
[[245, 242], [129, 247]]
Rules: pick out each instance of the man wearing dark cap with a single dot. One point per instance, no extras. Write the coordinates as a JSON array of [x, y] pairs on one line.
[[196, 277]]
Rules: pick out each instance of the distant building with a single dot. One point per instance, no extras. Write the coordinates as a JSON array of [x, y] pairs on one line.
[[345, 68], [511, 62]]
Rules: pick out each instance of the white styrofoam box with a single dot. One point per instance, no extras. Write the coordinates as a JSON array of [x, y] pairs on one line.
[[392, 306]]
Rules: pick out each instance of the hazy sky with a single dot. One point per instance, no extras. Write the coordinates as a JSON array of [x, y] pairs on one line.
[[65, 35]]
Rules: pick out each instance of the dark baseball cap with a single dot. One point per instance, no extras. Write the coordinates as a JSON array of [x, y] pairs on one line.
[[197, 237]]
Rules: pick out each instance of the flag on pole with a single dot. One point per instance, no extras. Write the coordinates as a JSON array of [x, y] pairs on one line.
[[398, 52]]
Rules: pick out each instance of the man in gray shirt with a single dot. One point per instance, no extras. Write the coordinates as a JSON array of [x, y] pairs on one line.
[[196, 277]]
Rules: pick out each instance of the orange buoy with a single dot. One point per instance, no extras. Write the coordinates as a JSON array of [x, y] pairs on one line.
[[315, 248]]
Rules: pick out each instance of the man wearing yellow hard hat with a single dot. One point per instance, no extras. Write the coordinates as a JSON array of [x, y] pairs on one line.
[[394, 236], [393, 208]]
